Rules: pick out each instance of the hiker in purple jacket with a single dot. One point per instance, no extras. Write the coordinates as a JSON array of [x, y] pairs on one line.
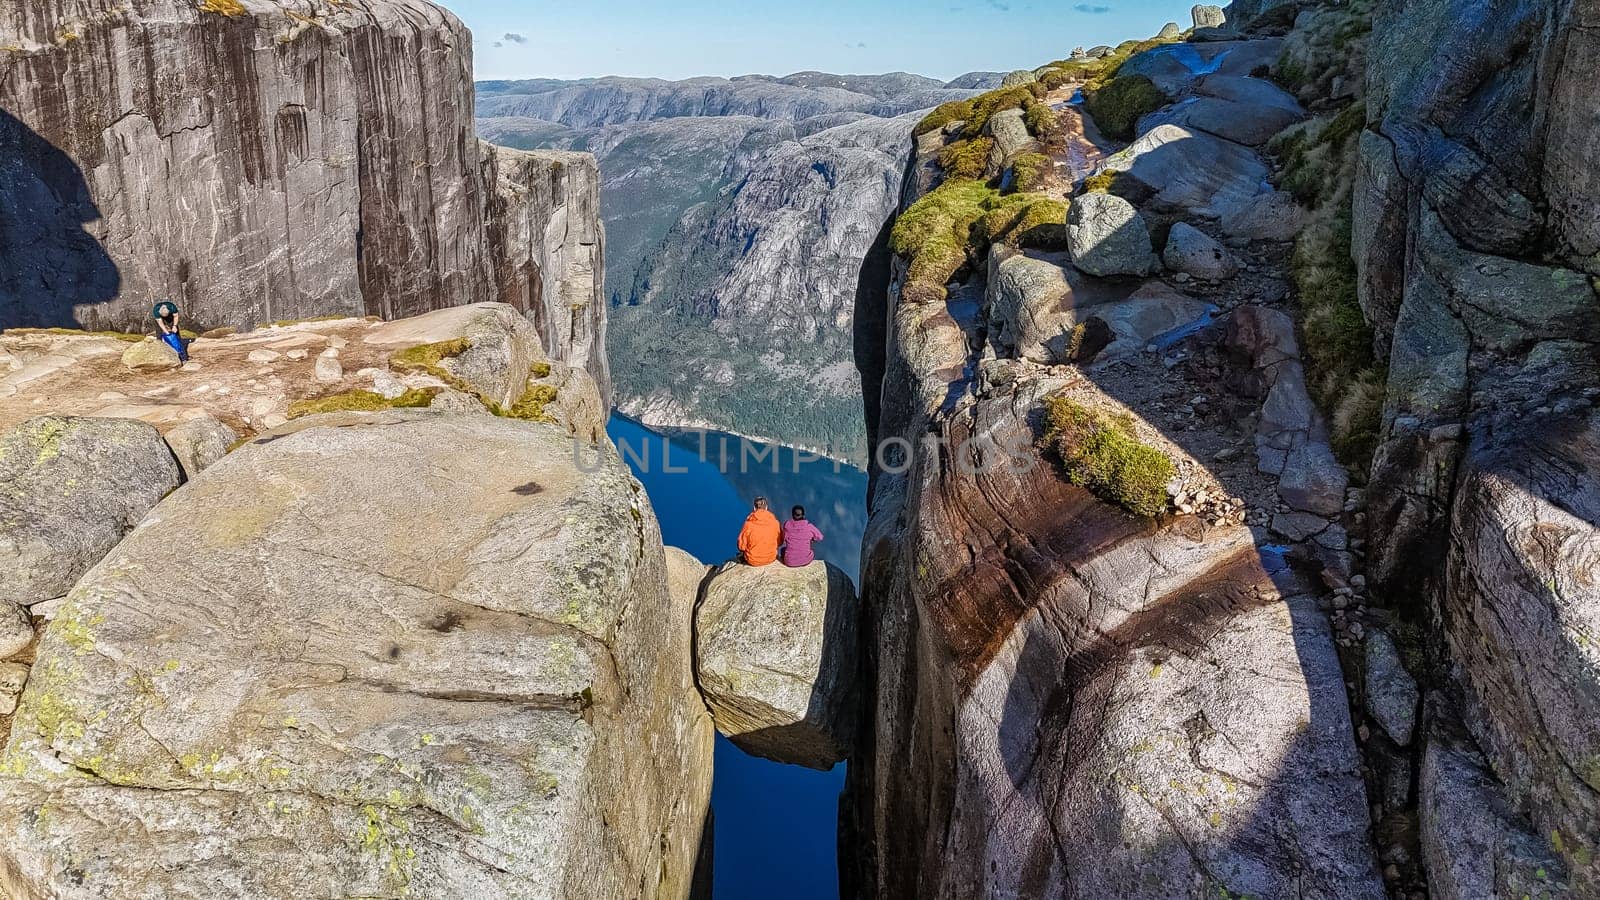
[[798, 536]]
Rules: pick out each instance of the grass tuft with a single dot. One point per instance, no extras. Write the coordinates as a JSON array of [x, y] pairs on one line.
[[976, 111], [428, 359], [228, 8], [1100, 453]]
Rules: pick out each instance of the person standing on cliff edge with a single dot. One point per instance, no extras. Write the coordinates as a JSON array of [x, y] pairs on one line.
[[758, 540]]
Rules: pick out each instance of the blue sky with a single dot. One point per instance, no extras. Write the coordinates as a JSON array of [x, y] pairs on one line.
[[941, 38]]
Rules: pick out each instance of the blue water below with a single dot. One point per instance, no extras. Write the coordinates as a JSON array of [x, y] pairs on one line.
[[776, 825]]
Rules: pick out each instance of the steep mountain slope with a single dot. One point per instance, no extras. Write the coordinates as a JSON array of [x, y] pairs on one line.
[[594, 102], [259, 160], [698, 176], [744, 314]]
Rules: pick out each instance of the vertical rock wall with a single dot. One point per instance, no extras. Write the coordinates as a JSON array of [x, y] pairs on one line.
[[1065, 700], [1475, 240], [259, 160]]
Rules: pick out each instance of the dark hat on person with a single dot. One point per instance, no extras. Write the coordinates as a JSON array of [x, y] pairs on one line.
[[164, 308]]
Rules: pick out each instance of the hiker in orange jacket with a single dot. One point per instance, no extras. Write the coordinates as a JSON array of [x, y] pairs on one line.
[[758, 540]]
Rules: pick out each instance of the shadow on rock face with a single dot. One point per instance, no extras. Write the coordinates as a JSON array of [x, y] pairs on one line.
[[48, 263]]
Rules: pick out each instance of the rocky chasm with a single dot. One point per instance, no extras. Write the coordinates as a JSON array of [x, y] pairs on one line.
[[1239, 539]]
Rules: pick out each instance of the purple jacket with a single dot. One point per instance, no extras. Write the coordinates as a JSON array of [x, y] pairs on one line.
[[797, 537]]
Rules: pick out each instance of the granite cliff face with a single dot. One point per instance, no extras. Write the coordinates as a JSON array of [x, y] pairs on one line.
[[757, 292], [1387, 210], [1475, 243], [262, 160]]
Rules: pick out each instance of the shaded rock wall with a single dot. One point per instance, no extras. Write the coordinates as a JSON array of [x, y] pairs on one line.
[[274, 160], [1475, 244]]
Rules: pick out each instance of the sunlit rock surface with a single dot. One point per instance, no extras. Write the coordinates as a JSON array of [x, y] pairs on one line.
[[414, 654], [264, 160], [776, 650]]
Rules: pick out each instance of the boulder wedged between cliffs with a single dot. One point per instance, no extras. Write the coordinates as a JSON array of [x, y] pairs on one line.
[[776, 660]]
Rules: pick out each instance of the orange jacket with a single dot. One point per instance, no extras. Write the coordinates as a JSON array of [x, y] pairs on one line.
[[758, 540]]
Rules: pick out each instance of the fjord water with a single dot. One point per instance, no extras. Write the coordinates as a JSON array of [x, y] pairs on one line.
[[776, 825]]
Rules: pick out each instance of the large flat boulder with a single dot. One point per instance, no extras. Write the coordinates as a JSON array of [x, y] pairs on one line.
[[394, 654], [1241, 122], [1190, 170], [1042, 308], [70, 488], [777, 657], [501, 346]]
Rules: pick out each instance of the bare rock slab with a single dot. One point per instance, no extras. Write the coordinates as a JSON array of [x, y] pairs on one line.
[[388, 655], [777, 660]]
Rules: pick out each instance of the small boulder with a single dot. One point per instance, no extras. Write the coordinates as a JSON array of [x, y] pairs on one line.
[[685, 574], [1192, 251], [262, 355], [1207, 16], [1391, 691], [150, 355], [1107, 236], [777, 651], [1170, 31], [73, 488], [1100, 52], [200, 442], [1010, 132], [328, 369], [1019, 77], [1313, 480]]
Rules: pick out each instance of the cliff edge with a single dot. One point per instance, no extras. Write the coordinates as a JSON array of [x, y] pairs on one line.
[[258, 160]]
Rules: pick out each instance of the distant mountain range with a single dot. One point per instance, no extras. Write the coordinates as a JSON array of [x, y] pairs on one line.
[[738, 212]]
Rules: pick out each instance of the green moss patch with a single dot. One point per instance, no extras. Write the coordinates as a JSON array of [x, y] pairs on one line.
[[967, 158], [976, 111], [1042, 120], [427, 359], [530, 406], [78, 332], [1343, 374], [228, 8], [361, 401], [1031, 171], [1118, 105], [1101, 453], [954, 223]]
